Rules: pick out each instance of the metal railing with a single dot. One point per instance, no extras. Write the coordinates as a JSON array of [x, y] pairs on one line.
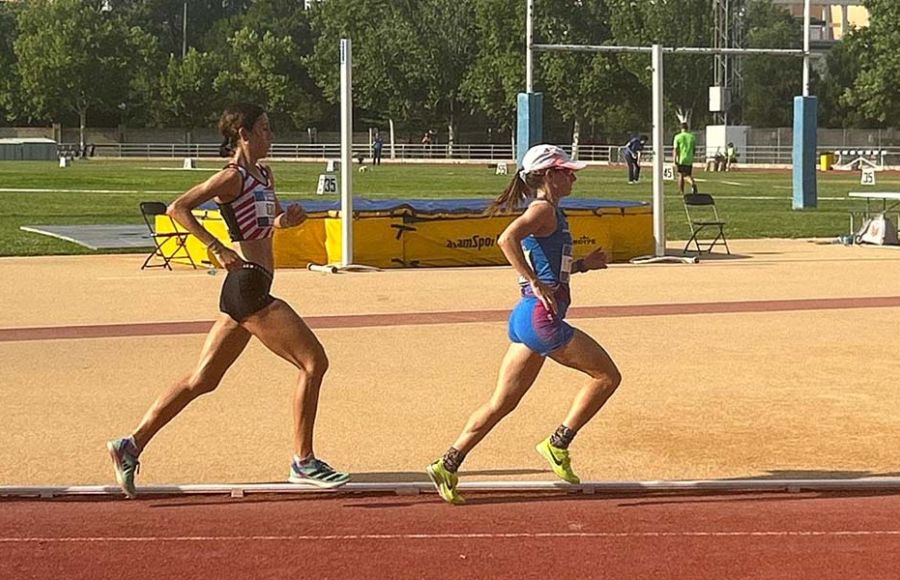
[[439, 153]]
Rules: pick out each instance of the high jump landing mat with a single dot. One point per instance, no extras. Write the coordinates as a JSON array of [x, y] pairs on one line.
[[433, 233]]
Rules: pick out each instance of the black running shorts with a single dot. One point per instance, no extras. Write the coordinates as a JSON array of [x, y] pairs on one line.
[[246, 291]]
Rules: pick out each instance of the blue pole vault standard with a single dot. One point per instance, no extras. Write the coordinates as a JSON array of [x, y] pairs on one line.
[[805, 195], [529, 131]]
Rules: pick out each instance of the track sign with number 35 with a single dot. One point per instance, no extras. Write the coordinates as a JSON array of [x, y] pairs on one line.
[[327, 184], [868, 176]]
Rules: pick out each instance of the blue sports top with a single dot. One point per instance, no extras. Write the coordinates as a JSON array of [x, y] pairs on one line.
[[550, 257]]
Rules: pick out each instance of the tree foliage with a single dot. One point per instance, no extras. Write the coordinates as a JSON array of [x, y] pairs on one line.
[[497, 72], [9, 76], [771, 83], [390, 68], [187, 95], [876, 87], [671, 23], [428, 64], [74, 56]]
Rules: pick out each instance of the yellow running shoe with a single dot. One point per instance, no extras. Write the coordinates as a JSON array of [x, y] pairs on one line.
[[445, 481], [559, 461]]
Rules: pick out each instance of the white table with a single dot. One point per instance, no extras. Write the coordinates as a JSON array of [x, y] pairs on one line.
[[889, 202]]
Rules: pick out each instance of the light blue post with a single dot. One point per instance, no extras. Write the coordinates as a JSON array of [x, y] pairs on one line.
[[804, 153], [530, 127]]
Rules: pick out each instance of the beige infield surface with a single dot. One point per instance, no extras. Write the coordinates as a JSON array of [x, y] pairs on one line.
[[810, 389]]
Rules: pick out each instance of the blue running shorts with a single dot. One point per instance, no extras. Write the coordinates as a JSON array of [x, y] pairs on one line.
[[532, 325]]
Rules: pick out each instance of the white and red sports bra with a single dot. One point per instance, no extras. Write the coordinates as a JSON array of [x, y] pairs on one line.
[[251, 215]]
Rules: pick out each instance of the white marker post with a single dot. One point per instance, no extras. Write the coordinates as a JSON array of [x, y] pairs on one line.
[[659, 208], [346, 154], [346, 261]]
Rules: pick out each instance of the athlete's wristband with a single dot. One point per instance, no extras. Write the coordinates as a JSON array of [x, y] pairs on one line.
[[215, 246]]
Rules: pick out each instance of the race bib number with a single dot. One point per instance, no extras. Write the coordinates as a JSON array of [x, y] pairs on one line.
[[565, 267], [265, 207]]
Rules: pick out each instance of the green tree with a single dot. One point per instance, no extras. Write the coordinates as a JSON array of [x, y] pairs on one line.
[[146, 67], [842, 66], [9, 77], [587, 87], [497, 72], [164, 19], [771, 83], [277, 20], [874, 92], [187, 95], [447, 52], [390, 72], [73, 56], [671, 23], [265, 69]]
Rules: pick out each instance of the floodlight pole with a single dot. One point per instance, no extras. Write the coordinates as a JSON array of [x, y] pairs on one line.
[[184, 32], [529, 51], [806, 25], [659, 219], [346, 154]]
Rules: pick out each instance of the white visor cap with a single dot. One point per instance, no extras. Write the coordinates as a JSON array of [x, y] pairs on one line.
[[541, 157]]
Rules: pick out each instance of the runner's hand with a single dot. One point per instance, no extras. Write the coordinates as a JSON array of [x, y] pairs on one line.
[[229, 259], [596, 260], [293, 216], [543, 293]]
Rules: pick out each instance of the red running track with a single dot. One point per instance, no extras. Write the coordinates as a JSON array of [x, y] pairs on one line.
[[550, 535]]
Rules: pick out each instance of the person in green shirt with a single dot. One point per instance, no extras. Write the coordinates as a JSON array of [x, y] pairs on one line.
[[685, 142], [730, 156]]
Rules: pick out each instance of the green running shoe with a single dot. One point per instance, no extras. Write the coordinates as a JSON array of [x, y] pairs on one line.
[[126, 464], [318, 473], [559, 461], [445, 481]]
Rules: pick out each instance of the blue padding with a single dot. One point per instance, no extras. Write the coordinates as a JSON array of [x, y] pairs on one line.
[[804, 155], [441, 206], [530, 125]]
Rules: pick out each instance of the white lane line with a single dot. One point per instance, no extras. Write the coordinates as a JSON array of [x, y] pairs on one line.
[[775, 198], [60, 190], [470, 536], [129, 191], [202, 271]]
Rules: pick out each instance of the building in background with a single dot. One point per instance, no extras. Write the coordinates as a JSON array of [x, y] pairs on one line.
[[831, 19]]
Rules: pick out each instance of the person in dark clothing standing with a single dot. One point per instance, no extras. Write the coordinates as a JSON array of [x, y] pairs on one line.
[[377, 146], [633, 150]]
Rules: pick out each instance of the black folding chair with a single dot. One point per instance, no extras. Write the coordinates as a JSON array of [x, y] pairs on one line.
[[701, 215], [167, 245]]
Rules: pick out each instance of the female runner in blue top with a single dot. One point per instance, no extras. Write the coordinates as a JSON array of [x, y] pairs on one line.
[[539, 246], [245, 193]]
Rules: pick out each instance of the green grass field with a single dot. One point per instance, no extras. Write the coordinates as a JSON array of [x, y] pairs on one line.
[[755, 203]]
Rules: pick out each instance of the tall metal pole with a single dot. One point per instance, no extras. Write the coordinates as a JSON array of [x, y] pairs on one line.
[[659, 213], [806, 24], [184, 32], [346, 154], [529, 53]]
